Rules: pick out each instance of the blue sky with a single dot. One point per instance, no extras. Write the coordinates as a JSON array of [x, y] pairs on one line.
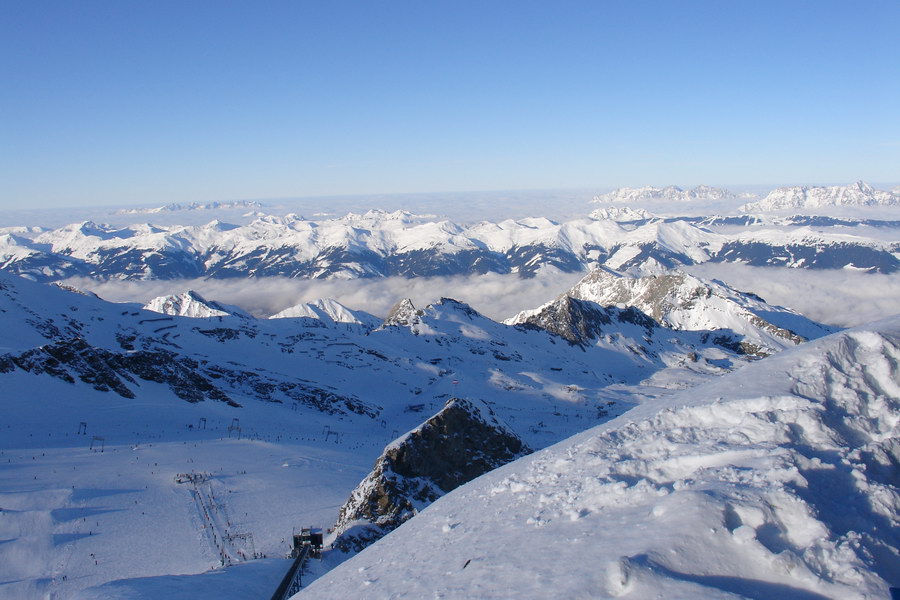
[[116, 102]]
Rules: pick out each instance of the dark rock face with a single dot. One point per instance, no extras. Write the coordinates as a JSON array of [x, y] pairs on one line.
[[190, 379], [464, 440], [107, 371], [402, 314], [580, 321]]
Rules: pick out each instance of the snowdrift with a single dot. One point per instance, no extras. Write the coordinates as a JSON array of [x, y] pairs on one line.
[[777, 481]]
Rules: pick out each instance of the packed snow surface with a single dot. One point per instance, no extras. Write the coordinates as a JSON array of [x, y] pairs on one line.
[[776, 481]]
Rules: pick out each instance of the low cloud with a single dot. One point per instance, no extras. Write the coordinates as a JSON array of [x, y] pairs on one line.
[[495, 296], [839, 297]]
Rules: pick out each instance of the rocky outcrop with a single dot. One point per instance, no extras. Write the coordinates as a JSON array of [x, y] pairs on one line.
[[190, 379], [403, 314], [737, 321], [685, 302], [580, 321], [462, 441]]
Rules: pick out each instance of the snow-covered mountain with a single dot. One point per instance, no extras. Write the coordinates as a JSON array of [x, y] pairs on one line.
[[193, 206], [329, 311], [777, 481], [192, 304], [684, 302], [621, 214], [378, 244], [794, 197], [303, 405], [278, 420], [669, 193], [416, 357]]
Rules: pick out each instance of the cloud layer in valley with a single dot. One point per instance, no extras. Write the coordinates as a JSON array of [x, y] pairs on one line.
[[837, 297], [841, 297], [495, 296]]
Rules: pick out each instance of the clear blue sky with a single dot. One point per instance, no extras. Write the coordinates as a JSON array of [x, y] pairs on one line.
[[118, 101]]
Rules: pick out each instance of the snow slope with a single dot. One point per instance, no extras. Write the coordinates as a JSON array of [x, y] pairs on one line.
[[329, 311], [286, 416], [777, 481], [192, 304]]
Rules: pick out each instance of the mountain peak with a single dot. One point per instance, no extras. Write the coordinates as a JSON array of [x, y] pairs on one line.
[[192, 304], [621, 214], [682, 301], [669, 193], [794, 197], [328, 310], [402, 314]]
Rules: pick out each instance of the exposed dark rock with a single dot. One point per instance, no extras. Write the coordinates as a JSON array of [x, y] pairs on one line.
[[580, 321], [403, 314], [462, 441]]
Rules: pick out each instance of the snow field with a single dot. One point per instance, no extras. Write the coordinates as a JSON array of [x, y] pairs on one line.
[[74, 518], [773, 482]]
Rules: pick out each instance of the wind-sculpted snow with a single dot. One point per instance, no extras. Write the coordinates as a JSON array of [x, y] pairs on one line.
[[777, 481], [379, 244]]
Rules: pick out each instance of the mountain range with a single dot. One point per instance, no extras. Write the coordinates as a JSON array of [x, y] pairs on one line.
[[645, 432], [378, 244], [193, 206], [321, 393], [794, 197], [205, 351], [669, 193]]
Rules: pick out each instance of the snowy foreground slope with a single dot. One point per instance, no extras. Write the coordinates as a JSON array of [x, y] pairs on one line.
[[282, 418], [776, 481]]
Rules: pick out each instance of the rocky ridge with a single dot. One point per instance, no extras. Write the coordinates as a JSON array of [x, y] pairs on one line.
[[461, 442], [670, 193], [389, 244], [736, 320]]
